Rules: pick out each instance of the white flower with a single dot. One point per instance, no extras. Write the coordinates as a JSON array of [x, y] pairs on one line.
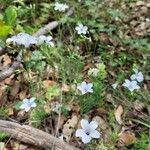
[[88, 131], [22, 39], [27, 104], [137, 76], [115, 85], [85, 87], [81, 29], [93, 72], [131, 85], [60, 7], [45, 39]]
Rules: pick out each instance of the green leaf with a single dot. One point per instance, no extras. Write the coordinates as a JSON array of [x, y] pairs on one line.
[[36, 56], [10, 15], [52, 91], [39, 66], [3, 135], [4, 29]]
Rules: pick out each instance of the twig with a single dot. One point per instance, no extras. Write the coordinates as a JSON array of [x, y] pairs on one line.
[[140, 122], [59, 117], [33, 136], [52, 25]]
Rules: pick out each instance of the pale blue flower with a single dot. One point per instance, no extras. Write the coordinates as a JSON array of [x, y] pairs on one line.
[[22, 39], [138, 76], [27, 104], [88, 131], [131, 85], [45, 39], [85, 87], [81, 29], [60, 7]]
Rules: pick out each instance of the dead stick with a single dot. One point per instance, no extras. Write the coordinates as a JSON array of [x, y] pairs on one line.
[[50, 26], [33, 136]]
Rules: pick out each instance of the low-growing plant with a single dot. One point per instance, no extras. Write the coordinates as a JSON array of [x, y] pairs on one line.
[[3, 136]]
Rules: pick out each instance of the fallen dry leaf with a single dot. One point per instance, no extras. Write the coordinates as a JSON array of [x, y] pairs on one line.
[[16, 145], [47, 108], [101, 122], [23, 94], [88, 66], [9, 81], [74, 107], [69, 127], [65, 88], [2, 89], [15, 90], [127, 138], [2, 146], [138, 105], [10, 111], [6, 60], [48, 83], [118, 113]]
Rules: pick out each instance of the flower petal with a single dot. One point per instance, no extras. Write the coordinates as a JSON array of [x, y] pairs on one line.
[[79, 87], [85, 28], [33, 105], [90, 85], [77, 28], [27, 109], [83, 92], [83, 84], [95, 134], [84, 123], [32, 99], [140, 77], [25, 100], [80, 25], [133, 77], [93, 125], [90, 90], [22, 106], [127, 81], [86, 139], [80, 133], [134, 83]]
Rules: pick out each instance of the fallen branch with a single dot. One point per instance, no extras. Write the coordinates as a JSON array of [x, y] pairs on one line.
[[52, 25], [33, 136]]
